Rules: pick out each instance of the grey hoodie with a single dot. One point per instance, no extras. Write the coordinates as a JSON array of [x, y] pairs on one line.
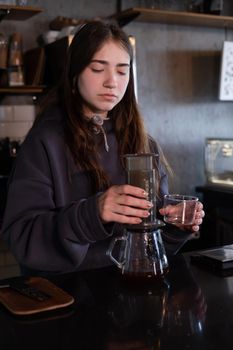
[[51, 222]]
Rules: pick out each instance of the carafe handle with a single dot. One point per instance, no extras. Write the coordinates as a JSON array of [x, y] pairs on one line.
[[119, 264]]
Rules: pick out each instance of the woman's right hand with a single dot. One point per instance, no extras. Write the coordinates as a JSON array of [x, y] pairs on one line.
[[124, 204]]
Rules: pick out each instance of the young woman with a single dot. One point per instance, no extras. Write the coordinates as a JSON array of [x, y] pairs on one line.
[[67, 193]]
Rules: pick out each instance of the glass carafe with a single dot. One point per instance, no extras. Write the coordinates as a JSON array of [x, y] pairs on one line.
[[142, 254]]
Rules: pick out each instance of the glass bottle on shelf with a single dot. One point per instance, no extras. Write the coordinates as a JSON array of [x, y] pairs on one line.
[[3, 60], [15, 61], [3, 51]]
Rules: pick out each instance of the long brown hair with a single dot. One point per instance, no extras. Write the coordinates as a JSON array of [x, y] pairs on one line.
[[125, 116]]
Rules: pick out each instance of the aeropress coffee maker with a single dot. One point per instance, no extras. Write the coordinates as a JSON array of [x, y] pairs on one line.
[[142, 254]]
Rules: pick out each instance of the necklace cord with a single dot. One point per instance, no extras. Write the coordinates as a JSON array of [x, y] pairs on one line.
[[97, 126]]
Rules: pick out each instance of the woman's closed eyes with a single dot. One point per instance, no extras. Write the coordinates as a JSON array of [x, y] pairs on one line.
[[121, 69]]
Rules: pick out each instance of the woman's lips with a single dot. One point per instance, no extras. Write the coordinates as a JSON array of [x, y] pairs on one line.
[[109, 97]]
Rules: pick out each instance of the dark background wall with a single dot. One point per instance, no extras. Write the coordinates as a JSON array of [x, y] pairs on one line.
[[178, 76]]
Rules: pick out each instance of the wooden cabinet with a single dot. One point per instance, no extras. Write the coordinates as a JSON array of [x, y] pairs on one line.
[[217, 227]]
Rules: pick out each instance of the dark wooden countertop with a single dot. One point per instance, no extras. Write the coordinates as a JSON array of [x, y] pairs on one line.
[[192, 310]]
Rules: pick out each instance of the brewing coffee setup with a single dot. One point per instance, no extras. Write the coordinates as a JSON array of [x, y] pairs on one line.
[[142, 254]]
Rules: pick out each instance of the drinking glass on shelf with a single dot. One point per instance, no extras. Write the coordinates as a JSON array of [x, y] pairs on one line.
[[180, 209]]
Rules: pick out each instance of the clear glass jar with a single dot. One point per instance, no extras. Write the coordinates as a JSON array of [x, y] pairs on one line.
[[15, 61]]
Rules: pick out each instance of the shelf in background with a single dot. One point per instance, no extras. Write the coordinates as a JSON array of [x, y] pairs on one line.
[[27, 89], [140, 14], [18, 13]]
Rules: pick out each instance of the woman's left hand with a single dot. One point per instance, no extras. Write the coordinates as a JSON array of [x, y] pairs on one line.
[[197, 220]]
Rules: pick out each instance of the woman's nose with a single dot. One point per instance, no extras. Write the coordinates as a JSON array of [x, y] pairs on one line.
[[110, 80]]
